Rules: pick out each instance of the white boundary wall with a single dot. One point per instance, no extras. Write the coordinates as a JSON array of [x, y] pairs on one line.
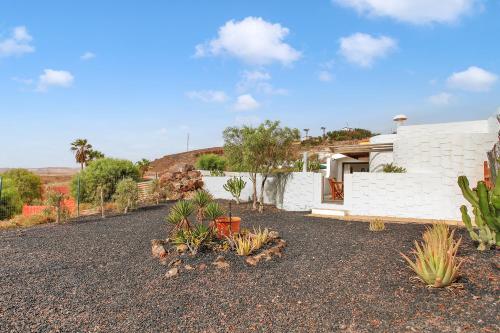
[[292, 192]]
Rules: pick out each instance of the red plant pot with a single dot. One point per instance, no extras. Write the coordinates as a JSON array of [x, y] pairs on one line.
[[226, 227]]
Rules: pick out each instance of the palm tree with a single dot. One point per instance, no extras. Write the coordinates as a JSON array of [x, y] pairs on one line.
[[143, 165], [307, 131], [323, 129], [94, 155], [82, 150]]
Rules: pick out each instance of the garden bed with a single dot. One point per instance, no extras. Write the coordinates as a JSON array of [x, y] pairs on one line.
[[99, 275]]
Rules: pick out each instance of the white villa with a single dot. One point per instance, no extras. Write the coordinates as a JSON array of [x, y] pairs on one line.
[[353, 183]]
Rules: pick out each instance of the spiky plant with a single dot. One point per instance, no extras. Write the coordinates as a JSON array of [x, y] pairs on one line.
[[201, 199], [436, 263], [377, 225], [259, 238], [242, 245], [213, 211], [179, 215]]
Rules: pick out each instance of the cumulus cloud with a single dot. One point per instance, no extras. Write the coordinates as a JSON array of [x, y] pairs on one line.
[[325, 76], [55, 78], [246, 102], [413, 11], [441, 99], [252, 40], [363, 49], [472, 79], [87, 56], [208, 96], [17, 44]]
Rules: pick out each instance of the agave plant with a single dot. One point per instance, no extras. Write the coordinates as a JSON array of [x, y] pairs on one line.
[[242, 244], [259, 238], [194, 239], [201, 199], [179, 215], [436, 263]]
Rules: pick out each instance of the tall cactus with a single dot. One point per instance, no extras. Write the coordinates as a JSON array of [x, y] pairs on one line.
[[486, 210]]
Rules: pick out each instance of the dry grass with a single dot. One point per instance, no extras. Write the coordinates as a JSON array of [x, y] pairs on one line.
[[25, 221], [377, 225]]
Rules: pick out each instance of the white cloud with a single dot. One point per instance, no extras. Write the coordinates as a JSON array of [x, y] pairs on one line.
[[472, 79], [252, 40], [55, 78], [363, 49], [22, 80], [87, 56], [325, 76], [414, 11], [441, 99], [258, 82], [17, 44], [245, 103], [208, 96]]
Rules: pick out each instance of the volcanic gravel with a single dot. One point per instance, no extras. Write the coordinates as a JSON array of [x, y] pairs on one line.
[[96, 275]]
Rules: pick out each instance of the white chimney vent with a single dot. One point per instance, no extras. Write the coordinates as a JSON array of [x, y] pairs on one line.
[[400, 119]]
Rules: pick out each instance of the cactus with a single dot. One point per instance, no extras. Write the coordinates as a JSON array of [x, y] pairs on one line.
[[486, 210], [234, 186]]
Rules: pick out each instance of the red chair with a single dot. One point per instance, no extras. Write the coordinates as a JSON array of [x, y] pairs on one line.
[[337, 189]]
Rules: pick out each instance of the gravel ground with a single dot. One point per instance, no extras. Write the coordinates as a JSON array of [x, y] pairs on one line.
[[99, 276]]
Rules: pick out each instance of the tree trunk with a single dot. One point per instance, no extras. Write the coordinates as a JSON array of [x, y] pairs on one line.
[[253, 177], [102, 203], [58, 212], [261, 198]]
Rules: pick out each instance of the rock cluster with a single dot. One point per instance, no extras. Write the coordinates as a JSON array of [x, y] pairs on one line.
[[182, 181]]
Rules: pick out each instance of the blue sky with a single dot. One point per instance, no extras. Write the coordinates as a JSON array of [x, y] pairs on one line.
[[135, 77]]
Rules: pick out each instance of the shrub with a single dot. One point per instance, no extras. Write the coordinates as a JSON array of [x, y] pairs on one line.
[[234, 186], [126, 195], [179, 215], [194, 239], [55, 200], [10, 202], [27, 184], [312, 165], [242, 244], [354, 134], [211, 162], [201, 199], [214, 211], [26, 221], [377, 225], [392, 168], [435, 258], [159, 191], [102, 174]]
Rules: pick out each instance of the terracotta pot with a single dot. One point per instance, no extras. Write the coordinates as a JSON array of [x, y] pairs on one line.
[[225, 227]]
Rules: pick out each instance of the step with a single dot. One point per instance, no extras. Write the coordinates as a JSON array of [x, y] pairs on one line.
[[329, 211]]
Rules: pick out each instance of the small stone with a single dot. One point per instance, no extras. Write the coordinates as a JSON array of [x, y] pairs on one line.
[[343, 326], [220, 262], [157, 248], [172, 272], [251, 261], [175, 262], [182, 248], [188, 267], [202, 267]]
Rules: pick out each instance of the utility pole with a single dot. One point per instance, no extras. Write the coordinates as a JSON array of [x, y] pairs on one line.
[[187, 143]]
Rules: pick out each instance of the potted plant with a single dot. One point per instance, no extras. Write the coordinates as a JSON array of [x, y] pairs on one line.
[[225, 225]]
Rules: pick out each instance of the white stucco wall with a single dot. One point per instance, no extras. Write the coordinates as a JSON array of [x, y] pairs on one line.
[[292, 192], [377, 160], [434, 156]]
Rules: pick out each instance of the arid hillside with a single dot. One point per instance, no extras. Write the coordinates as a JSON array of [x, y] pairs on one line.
[[166, 162]]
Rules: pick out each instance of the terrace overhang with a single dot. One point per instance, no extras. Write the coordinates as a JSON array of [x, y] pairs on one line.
[[361, 150]]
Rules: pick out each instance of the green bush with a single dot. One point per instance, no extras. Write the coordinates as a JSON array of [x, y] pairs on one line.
[[354, 134], [104, 173], [10, 203], [126, 195], [392, 168], [211, 162], [27, 184]]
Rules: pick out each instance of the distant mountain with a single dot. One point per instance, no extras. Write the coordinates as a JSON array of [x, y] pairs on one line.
[[162, 164], [50, 171]]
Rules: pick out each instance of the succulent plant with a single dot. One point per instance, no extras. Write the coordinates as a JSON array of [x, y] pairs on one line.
[[259, 238], [213, 211], [234, 186], [179, 215], [201, 199], [435, 262], [486, 209]]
